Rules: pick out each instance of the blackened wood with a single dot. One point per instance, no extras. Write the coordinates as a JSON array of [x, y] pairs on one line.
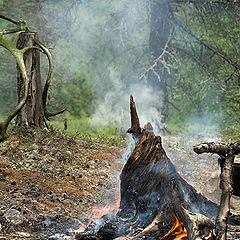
[[32, 114], [135, 123], [194, 222], [149, 182]]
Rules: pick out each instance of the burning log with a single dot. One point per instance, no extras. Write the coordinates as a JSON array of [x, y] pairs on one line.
[[226, 153], [156, 202]]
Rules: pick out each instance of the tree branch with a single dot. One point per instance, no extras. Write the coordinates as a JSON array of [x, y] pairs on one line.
[[48, 81], [18, 55], [211, 48]]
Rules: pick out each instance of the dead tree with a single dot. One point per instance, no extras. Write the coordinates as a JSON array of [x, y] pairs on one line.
[[32, 113], [29, 80], [154, 197], [226, 154]]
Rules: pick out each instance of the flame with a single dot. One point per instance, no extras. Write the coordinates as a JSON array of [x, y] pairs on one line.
[[118, 199], [211, 234], [98, 212], [177, 229]]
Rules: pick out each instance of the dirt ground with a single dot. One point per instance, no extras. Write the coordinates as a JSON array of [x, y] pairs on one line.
[[50, 181]]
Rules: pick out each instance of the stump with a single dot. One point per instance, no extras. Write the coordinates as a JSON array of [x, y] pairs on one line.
[[156, 202]]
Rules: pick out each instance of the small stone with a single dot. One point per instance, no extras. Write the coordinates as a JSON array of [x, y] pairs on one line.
[[14, 216], [35, 146], [23, 234], [41, 217]]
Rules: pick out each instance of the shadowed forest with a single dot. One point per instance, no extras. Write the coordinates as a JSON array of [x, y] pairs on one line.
[[180, 59]]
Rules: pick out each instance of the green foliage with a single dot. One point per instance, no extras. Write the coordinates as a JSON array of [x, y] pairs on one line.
[[76, 96], [81, 127], [205, 83]]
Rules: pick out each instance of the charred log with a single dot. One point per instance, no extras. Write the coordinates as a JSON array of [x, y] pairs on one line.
[[135, 123]]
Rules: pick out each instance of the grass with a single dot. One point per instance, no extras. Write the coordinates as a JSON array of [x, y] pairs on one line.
[[109, 134], [80, 127], [231, 134]]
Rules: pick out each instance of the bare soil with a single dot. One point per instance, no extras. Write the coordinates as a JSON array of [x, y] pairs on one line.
[[50, 181]]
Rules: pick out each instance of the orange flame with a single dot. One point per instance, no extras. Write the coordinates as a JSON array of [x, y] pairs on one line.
[[98, 212], [177, 229], [180, 232], [211, 234], [118, 199]]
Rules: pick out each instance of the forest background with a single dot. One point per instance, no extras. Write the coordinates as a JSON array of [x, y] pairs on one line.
[[179, 58]]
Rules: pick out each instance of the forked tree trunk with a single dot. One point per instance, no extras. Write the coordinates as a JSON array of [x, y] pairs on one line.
[[32, 114], [153, 196]]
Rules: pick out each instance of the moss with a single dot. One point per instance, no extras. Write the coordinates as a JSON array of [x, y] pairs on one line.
[[3, 130]]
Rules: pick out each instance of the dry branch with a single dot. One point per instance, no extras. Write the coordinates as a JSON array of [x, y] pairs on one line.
[[46, 51], [227, 153]]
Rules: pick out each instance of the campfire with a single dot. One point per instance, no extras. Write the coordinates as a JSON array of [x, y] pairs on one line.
[[156, 202]]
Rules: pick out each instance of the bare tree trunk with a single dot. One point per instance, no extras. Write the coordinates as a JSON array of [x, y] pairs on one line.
[[159, 35], [32, 114]]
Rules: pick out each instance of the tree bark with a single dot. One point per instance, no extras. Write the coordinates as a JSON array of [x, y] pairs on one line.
[[159, 35], [32, 114]]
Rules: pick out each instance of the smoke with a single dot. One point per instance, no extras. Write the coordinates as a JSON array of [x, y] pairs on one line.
[[117, 76], [109, 111], [108, 43], [205, 126]]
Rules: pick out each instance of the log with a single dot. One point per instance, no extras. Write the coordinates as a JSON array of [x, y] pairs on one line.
[[154, 197]]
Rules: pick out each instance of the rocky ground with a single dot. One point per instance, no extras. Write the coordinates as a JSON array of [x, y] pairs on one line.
[[50, 181]]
